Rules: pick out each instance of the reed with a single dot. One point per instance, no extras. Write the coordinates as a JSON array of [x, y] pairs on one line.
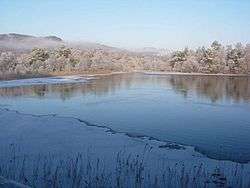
[[126, 170]]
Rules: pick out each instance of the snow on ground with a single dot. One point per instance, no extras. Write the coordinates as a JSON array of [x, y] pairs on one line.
[[61, 137], [46, 80]]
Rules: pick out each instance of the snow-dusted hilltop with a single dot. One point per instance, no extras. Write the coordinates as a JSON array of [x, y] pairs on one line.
[[21, 43], [20, 37]]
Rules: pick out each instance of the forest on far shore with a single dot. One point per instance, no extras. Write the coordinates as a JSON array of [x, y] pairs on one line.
[[232, 59]]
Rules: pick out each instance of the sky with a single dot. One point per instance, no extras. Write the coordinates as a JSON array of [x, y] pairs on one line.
[[131, 23]]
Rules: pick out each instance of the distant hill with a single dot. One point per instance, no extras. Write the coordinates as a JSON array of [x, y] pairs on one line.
[[152, 51], [20, 37], [22, 43], [54, 38]]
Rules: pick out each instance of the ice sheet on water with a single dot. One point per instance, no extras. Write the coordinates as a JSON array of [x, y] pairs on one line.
[[47, 80]]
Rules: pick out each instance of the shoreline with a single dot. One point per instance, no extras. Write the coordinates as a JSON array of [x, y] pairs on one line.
[[192, 74], [107, 73]]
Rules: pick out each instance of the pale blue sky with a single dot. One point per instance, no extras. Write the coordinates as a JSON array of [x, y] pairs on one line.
[[131, 23]]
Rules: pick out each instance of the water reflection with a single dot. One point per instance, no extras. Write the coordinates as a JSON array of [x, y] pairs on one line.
[[214, 88]]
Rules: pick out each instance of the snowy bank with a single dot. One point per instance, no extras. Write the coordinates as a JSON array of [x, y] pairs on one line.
[[67, 151], [46, 80]]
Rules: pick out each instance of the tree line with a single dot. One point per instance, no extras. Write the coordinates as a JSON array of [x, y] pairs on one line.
[[233, 59]]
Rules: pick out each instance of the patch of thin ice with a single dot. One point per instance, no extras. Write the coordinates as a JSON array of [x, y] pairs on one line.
[[42, 81]]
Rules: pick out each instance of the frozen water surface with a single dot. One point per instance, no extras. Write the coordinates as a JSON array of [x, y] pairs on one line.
[[210, 113], [42, 81]]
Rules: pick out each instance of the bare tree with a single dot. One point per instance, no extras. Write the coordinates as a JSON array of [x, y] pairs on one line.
[[248, 57]]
